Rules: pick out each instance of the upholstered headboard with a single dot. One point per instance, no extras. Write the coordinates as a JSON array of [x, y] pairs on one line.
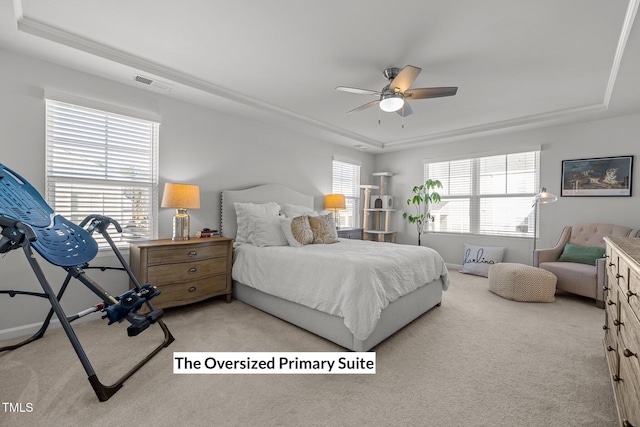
[[260, 194]]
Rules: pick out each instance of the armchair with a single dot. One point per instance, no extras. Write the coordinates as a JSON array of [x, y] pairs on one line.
[[581, 279]]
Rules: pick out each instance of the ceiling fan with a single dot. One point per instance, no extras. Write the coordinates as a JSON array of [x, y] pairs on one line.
[[394, 96]]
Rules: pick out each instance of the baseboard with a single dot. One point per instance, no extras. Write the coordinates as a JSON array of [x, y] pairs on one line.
[[30, 329]]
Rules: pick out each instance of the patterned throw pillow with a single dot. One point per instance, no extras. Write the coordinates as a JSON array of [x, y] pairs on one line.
[[323, 228], [301, 229]]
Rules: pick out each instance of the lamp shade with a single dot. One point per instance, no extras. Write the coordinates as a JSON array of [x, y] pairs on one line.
[[334, 201], [544, 197], [181, 196]]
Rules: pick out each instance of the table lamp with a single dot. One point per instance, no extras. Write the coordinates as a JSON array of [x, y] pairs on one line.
[[335, 202], [181, 197]]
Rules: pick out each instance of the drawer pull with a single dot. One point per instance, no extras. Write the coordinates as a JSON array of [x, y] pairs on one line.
[[611, 302], [605, 327], [618, 275], [193, 253], [192, 289], [631, 294], [192, 270], [629, 353], [618, 323], [611, 264], [616, 378], [605, 288], [609, 348]]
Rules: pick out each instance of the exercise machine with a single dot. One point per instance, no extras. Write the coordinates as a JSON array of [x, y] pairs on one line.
[[29, 223]]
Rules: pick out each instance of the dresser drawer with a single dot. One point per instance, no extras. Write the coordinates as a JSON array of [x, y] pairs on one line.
[[613, 311], [633, 292], [187, 271], [185, 253], [189, 292], [629, 330], [611, 263], [628, 389], [611, 315]]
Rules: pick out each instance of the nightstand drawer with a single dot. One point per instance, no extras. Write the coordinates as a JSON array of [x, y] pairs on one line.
[[189, 292], [185, 253], [350, 233], [170, 273]]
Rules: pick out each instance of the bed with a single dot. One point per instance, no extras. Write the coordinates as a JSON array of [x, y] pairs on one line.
[[357, 325]]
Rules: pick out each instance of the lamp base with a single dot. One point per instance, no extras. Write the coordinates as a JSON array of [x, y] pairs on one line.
[[181, 225]]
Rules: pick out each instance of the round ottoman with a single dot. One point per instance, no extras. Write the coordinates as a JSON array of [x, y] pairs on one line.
[[520, 282]]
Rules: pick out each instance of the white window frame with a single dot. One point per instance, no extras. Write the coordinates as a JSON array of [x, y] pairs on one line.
[[95, 160], [345, 179], [475, 197]]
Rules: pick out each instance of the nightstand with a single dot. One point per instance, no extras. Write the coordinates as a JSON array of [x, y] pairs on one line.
[[350, 233], [184, 271]]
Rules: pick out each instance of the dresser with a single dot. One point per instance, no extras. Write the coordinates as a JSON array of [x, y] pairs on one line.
[[184, 271], [622, 325]]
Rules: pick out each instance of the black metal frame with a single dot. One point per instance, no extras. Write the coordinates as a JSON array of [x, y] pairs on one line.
[[138, 323]]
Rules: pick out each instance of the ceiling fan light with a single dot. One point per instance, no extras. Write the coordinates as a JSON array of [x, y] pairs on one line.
[[391, 103]]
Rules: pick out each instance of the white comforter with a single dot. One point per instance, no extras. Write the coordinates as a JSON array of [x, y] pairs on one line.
[[352, 279]]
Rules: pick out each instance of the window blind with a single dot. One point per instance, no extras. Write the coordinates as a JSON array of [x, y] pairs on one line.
[[486, 195], [346, 180], [102, 163]]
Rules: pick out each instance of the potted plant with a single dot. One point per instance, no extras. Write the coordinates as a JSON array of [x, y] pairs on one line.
[[423, 196]]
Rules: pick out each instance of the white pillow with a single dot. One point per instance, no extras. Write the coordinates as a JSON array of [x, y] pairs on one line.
[[266, 231], [245, 210], [291, 211], [285, 226], [478, 259]]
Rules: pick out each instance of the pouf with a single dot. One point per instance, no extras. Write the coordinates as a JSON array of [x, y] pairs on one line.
[[520, 282]]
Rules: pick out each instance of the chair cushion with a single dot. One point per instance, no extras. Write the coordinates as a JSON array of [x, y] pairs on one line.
[[520, 282], [573, 277], [581, 254]]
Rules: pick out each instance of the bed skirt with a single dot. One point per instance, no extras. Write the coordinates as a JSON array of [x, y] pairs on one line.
[[393, 318]]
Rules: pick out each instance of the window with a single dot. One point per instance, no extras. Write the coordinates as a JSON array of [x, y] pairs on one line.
[[346, 180], [102, 163], [486, 195]]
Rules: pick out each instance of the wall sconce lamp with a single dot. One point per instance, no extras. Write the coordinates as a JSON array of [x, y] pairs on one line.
[[181, 197]]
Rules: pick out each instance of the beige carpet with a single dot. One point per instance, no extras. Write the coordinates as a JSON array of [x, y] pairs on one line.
[[478, 360]]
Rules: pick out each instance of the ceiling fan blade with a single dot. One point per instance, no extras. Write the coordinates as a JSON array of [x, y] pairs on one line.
[[404, 79], [358, 91], [365, 106], [406, 110], [430, 92]]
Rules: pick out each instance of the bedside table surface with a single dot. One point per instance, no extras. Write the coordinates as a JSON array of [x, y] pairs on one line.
[[169, 242]]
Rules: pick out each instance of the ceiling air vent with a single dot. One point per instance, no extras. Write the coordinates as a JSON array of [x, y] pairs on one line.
[[152, 84]]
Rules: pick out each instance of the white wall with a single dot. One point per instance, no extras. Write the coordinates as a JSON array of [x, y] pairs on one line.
[[602, 138], [197, 145]]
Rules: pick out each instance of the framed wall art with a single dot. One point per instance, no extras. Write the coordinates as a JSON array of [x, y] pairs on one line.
[[603, 176]]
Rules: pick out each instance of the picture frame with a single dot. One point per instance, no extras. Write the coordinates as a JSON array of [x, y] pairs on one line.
[[597, 177]]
